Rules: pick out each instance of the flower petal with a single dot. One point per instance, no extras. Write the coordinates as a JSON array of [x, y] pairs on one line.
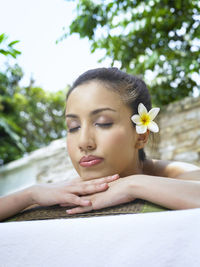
[[153, 127], [136, 119], [141, 129], [141, 109], [153, 113]]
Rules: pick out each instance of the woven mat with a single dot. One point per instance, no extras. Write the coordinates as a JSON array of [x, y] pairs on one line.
[[57, 212]]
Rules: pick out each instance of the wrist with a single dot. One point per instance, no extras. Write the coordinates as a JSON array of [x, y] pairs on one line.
[[137, 186], [29, 194]]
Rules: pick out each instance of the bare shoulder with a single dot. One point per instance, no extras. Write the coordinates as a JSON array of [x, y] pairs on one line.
[[166, 168]]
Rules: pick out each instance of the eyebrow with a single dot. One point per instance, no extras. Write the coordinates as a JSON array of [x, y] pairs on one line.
[[94, 112]]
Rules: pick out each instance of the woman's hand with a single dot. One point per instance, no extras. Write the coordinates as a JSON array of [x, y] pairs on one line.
[[69, 193], [118, 193], [167, 192]]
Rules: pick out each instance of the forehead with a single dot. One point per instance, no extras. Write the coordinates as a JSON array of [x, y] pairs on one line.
[[92, 95]]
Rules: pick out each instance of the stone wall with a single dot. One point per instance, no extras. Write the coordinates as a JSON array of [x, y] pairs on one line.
[[179, 136], [178, 139]]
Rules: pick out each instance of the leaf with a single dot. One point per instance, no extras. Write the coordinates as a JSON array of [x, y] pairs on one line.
[[3, 37], [12, 134], [8, 50], [12, 43]]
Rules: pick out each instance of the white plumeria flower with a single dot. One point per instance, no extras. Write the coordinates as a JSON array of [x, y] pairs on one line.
[[145, 119]]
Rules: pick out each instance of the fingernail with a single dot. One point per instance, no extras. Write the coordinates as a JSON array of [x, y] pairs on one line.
[[69, 211], [103, 185], [87, 202], [115, 175]]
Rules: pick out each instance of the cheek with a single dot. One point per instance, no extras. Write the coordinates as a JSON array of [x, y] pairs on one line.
[[70, 147], [116, 138], [119, 139]]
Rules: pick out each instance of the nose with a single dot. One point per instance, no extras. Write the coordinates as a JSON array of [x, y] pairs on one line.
[[86, 139]]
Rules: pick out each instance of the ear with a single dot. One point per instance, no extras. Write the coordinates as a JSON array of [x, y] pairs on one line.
[[142, 140]]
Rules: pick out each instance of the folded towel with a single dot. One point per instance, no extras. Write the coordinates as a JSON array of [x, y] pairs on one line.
[[168, 238]]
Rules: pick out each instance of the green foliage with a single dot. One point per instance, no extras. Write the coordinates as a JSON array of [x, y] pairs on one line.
[[29, 117], [158, 39], [6, 48]]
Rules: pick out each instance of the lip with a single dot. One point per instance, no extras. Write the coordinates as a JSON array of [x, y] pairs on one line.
[[88, 161]]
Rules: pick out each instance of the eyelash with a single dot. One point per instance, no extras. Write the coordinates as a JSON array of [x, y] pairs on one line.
[[73, 129], [103, 125], [106, 125]]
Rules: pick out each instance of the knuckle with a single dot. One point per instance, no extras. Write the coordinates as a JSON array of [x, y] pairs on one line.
[[97, 187], [102, 180], [73, 199], [84, 188]]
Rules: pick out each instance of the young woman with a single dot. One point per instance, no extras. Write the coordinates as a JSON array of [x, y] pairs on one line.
[[109, 119]]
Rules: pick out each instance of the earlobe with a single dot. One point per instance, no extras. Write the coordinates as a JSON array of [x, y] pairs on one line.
[[142, 140]]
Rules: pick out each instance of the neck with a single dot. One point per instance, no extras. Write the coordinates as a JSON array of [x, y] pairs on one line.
[[135, 168]]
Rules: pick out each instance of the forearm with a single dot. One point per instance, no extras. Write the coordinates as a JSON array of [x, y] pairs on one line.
[[167, 192], [193, 175], [14, 203]]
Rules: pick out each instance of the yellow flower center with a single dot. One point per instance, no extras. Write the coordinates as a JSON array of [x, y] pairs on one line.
[[145, 119]]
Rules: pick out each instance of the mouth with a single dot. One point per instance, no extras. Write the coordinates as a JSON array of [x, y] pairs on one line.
[[89, 161]]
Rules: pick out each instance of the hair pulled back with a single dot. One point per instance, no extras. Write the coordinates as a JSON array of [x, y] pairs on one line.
[[131, 89]]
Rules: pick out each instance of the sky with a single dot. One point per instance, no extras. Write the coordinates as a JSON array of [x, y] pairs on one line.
[[38, 24]]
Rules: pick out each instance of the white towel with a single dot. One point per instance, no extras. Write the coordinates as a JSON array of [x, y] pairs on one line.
[[170, 238]]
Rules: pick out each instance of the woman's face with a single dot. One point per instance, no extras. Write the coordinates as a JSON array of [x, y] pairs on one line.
[[101, 139]]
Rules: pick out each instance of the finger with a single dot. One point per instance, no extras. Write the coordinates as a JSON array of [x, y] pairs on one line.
[[112, 178], [67, 205], [79, 210], [86, 189], [77, 201], [105, 179], [76, 180]]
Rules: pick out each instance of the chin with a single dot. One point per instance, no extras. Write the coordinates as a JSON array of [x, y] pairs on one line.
[[90, 177], [87, 176]]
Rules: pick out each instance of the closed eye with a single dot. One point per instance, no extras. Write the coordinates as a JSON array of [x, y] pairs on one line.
[[104, 125], [73, 129]]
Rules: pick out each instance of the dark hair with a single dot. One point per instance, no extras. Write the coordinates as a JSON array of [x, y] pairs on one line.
[[132, 89]]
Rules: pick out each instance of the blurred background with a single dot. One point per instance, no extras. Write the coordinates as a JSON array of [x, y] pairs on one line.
[[46, 44]]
